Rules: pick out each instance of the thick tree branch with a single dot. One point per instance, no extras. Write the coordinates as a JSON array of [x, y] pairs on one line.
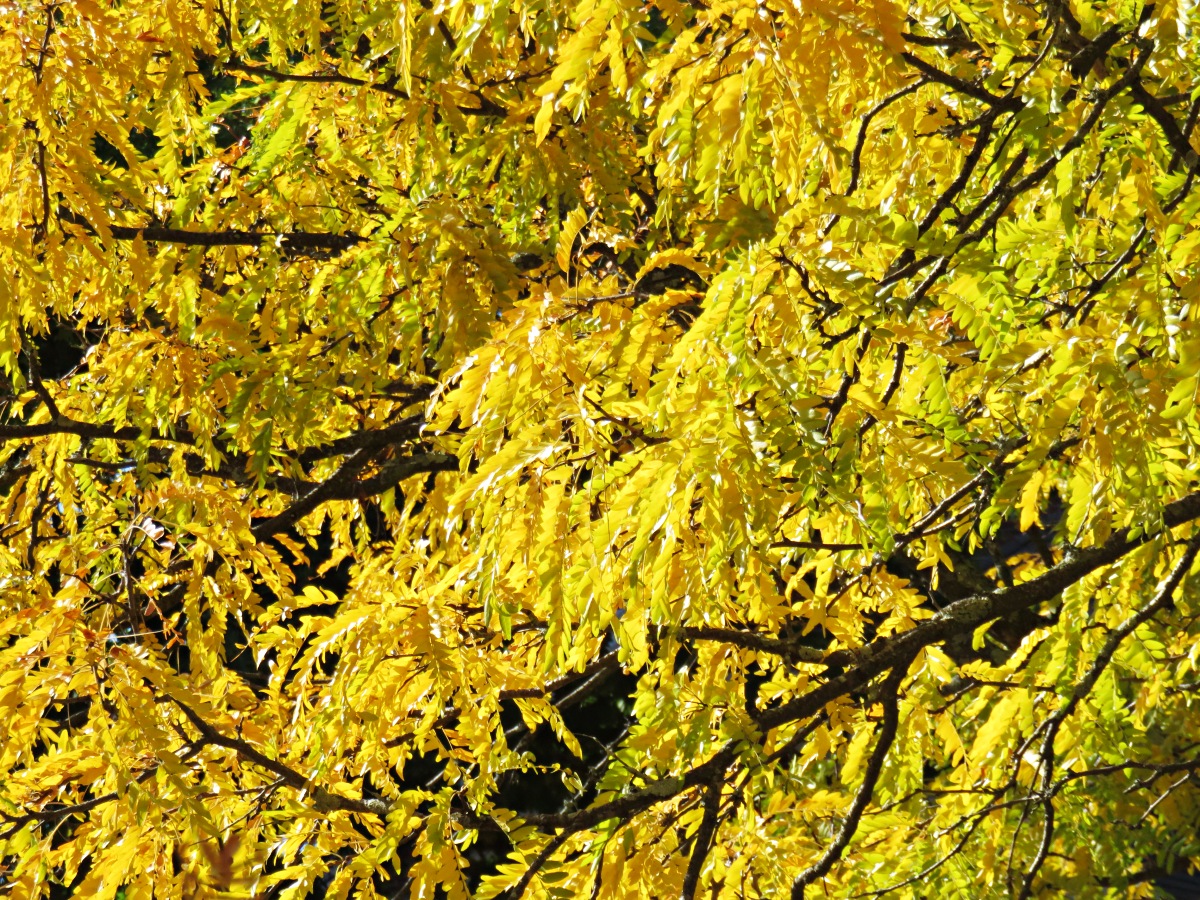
[[964, 615], [397, 469], [752, 641], [637, 801], [342, 485], [1176, 138], [296, 242]]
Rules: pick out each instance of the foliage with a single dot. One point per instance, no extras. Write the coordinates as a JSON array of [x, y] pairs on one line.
[[592, 449]]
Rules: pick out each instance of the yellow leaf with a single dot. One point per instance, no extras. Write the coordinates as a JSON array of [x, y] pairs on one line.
[[541, 122], [575, 221], [1030, 499]]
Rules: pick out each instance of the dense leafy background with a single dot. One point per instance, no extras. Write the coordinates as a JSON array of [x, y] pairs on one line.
[[597, 449]]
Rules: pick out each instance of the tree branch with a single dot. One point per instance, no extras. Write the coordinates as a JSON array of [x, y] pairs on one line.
[[267, 73], [296, 242], [969, 613], [57, 814], [636, 801], [752, 641], [1176, 139], [1162, 598], [933, 73], [323, 800], [887, 736], [864, 123], [487, 106], [516, 891], [703, 840]]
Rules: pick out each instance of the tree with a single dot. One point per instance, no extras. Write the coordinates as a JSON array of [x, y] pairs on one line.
[[554, 449]]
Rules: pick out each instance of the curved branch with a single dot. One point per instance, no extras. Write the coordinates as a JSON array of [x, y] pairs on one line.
[[1162, 598], [637, 801], [1178, 141], [342, 485], [323, 800], [967, 614], [887, 736], [933, 73], [864, 123]]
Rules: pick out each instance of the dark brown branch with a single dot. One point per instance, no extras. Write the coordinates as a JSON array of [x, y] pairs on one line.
[[975, 822], [632, 803], [11, 476], [815, 545], [487, 106], [752, 641], [342, 485], [838, 401], [890, 391], [1043, 847], [999, 188], [334, 487], [887, 736], [956, 187], [864, 123], [996, 466], [1073, 143], [398, 469], [296, 242], [84, 430], [369, 439], [968, 613], [900, 269], [703, 840], [58, 813], [1189, 125], [1156, 771], [1083, 307], [910, 302], [406, 429], [518, 890], [322, 799], [933, 73], [234, 466], [1176, 138], [266, 72], [1163, 598], [39, 71], [606, 664]]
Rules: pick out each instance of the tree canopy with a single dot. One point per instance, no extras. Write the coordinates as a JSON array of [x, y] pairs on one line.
[[598, 449]]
